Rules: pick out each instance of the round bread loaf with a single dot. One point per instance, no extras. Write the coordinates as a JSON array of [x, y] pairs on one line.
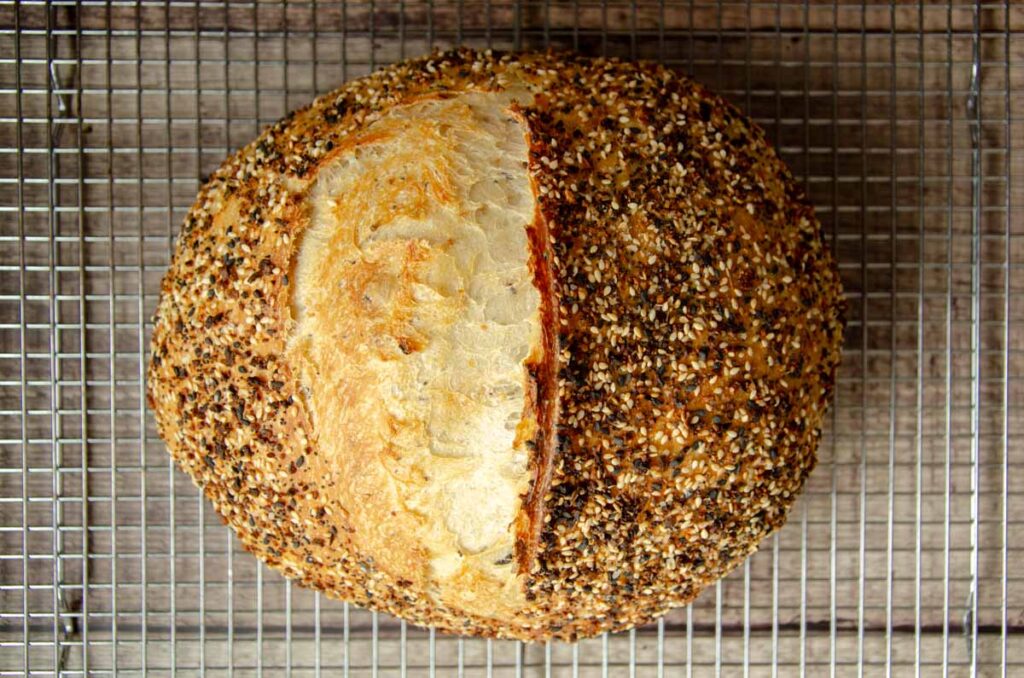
[[522, 346]]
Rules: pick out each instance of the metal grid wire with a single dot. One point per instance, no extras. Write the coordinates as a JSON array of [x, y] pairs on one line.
[[901, 121]]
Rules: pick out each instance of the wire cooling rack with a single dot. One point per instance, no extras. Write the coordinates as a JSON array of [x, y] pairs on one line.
[[903, 121]]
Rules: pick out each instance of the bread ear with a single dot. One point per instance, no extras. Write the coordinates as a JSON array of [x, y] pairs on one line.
[[543, 399]]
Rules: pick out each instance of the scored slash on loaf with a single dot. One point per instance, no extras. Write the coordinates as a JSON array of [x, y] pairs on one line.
[[517, 345]]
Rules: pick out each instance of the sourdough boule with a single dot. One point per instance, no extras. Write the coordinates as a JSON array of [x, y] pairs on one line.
[[517, 345]]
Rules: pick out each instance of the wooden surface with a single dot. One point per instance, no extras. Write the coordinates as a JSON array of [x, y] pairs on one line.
[[867, 106]]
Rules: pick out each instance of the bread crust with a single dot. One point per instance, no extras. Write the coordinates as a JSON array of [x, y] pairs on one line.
[[692, 327], [543, 373]]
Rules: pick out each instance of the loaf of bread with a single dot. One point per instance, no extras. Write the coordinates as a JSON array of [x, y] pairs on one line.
[[517, 345]]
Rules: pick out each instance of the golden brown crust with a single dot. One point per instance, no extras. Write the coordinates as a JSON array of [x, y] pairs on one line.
[[698, 331]]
